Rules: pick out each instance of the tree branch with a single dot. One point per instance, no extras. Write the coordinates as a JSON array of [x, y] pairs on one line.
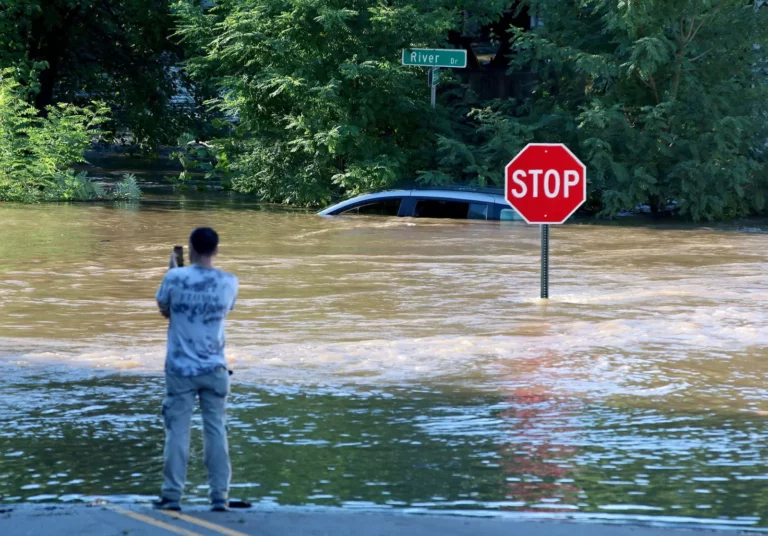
[[701, 55], [652, 85], [682, 25], [693, 19], [678, 72], [699, 26], [706, 17], [691, 26]]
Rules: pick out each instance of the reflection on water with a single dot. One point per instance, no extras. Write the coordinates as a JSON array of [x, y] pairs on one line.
[[395, 363]]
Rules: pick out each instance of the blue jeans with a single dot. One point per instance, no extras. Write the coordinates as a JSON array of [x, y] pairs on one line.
[[179, 403]]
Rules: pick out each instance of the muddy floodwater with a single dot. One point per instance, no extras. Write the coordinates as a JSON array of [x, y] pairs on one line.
[[395, 363]]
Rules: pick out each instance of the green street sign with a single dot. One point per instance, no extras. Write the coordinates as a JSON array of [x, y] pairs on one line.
[[435, 57]]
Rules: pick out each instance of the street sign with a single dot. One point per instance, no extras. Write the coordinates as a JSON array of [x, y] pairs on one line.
[[545, 183], [435, 57]]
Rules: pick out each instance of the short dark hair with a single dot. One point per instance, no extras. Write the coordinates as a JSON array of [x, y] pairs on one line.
[[204, 240]]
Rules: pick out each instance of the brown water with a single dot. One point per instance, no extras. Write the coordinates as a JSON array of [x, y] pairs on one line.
[[395, 363]]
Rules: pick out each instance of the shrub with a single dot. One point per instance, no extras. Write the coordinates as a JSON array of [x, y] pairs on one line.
[[36, 153]]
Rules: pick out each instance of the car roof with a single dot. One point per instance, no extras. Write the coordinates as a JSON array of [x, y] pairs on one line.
[[427, 193]]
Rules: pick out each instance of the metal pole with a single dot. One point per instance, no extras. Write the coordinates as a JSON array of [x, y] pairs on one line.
[[433, 81], [545, 262], [434, 96]]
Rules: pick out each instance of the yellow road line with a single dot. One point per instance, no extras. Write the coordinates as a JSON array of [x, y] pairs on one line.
[[151, 521], [201, 522]]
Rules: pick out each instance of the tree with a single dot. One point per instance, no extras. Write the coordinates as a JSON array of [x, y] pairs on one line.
[[664, 100], [112, 50], [321, 102]]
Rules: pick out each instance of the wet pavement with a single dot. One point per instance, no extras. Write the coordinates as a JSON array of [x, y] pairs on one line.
[[138, 521]]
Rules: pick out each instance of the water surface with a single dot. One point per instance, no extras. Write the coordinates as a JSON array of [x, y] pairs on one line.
[[396, 363]]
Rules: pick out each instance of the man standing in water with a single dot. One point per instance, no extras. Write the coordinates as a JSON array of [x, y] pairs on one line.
[[196, 299]]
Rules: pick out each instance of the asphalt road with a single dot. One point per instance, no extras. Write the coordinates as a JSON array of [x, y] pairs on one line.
[[134, 520]]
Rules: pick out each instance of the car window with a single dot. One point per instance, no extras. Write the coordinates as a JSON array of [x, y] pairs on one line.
[[438, 208], [478, 211], [381, 207]]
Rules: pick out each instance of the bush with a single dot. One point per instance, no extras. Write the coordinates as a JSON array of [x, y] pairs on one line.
[[36, 153], [208, 163]]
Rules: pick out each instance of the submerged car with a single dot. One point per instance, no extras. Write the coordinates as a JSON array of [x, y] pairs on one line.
[[464, 204]]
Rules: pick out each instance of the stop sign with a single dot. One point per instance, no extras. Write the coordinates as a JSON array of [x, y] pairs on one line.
[[545, 183]]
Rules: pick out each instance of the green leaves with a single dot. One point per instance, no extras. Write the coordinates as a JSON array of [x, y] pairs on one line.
[[492, 137], [209, 164], [663, 100], [128, 189], [36, 153], [647, 55], [117, 51], [323, 106]]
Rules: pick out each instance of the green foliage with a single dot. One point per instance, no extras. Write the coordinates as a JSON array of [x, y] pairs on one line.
[[36, 153], [116, 51], [72, 186], [480, 142], [68, 185], [662, 99], [127, 190], [205, 165], [321, 102]]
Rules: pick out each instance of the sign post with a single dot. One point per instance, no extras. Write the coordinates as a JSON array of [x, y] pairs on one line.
[[545, 261], [434, 78], [545, 183], [435, 58]]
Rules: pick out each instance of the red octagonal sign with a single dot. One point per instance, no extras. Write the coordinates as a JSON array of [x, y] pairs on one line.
[[545, 183]]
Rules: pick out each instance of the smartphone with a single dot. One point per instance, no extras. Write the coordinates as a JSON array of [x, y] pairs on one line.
[[178, 252]]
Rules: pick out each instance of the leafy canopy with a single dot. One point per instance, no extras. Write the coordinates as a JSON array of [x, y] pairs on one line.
[[117, 51], [664, 100], [322, 103]]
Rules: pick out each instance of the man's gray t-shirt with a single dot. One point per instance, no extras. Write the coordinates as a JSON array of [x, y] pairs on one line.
[[199, 300]]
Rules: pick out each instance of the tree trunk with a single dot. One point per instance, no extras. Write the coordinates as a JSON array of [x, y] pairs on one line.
[[47, 82], [678, 74], [49, 36]]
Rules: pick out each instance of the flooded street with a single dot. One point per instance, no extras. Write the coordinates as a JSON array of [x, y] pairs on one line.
[[396, 363]]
